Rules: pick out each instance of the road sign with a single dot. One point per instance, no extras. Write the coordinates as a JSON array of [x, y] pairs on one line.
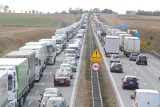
[[123, 27], [96, 57], [95, 66], [143, 46]]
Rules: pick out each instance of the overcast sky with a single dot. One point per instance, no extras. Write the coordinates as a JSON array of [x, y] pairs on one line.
[[119, 6]]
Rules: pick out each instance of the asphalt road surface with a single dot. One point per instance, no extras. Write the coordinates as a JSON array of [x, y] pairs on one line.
[[148, 76], [47, 82]]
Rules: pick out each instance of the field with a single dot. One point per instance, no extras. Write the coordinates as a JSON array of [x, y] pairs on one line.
[[17, 29], [148, 26]]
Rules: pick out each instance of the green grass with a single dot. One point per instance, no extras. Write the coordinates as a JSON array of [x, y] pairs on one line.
[[38, 20], [46, 21]]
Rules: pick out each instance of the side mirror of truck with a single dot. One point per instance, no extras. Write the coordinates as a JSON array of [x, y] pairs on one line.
[[132, 97]]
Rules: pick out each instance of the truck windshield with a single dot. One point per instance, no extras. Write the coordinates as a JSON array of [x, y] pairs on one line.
[[58, 42], [50, 49], [10, 82]]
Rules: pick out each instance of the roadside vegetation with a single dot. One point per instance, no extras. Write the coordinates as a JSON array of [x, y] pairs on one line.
[[108, 96]]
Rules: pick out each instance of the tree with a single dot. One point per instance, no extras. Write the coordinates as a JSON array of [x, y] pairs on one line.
[[70, 10], [33, 11], [1, 7], [6, 7], [29, 11], [96, 10]]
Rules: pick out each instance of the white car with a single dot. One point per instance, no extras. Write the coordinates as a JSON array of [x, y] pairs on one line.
[[114, 58], [65, 67], [48, 92], [56, 102]]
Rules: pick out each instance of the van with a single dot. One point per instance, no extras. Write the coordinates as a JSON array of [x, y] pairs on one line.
[[146, 98], [76, 47]]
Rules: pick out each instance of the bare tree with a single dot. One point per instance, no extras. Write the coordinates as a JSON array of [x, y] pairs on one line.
[[6, 7]]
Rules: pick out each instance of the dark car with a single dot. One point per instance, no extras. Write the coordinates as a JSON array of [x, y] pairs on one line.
[[130, 82], [141, 59], [133, 56], [116, 67]]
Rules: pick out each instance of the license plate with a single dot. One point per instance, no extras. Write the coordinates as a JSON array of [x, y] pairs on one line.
[[61, 81], [131, 82]]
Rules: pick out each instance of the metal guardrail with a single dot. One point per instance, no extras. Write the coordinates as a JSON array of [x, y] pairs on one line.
[[96, 92]]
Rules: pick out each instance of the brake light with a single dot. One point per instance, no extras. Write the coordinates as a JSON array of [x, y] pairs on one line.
[[125, 81]]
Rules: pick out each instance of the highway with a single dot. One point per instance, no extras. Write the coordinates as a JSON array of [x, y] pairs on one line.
[[47, 82], [148, 76]]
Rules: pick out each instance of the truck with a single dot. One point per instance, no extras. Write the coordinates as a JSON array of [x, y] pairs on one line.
[[60, 44], [17, 79], [146, 98], [44, 44], [30, 55], [111, 45], [122, 37], [39, 60], [131, 45], [51, 50], [4, 88]]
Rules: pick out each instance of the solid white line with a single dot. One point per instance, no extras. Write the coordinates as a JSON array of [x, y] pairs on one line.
[[42, 84], [121, 104], [46, 77], [75, 86], [30, 102], [37, 92]]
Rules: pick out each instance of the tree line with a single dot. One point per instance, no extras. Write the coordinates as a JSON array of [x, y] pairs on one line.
[[148, 13]]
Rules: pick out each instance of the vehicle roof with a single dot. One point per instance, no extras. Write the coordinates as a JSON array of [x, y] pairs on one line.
[[31, 47], [56, 98], [35, 43], [65, 64], [11, 61], [130, 76], [146, 90], [52, 89], [132, 38], [70, 49], [15, 53], [115, 37]]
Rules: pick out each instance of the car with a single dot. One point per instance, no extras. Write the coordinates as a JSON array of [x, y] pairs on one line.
[[141, 59], [61, 78], [114, 58], [72, 63], [131, 82], [56, 102], [116, 67], [48, 92], [133, 56]]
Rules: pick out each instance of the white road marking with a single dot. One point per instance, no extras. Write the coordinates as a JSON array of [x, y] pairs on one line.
[[135, 72], [46, 77], [149, 64], [131, 67], [128, 63], [30, 102], [50, 72], [144, 83], [154, 61], [37, 92], [155, 69], [42, 84]]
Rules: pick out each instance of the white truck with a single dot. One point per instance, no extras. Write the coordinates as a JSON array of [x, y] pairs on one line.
[[17, 79], [122, 37], [131, 44], [44, 44], [39, 62], [51, 50], [3, 88], [30, 55], [111, 45], [146, 98], [60, 44]]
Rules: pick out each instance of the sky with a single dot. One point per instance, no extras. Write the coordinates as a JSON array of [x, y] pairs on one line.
[[119, 6]]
